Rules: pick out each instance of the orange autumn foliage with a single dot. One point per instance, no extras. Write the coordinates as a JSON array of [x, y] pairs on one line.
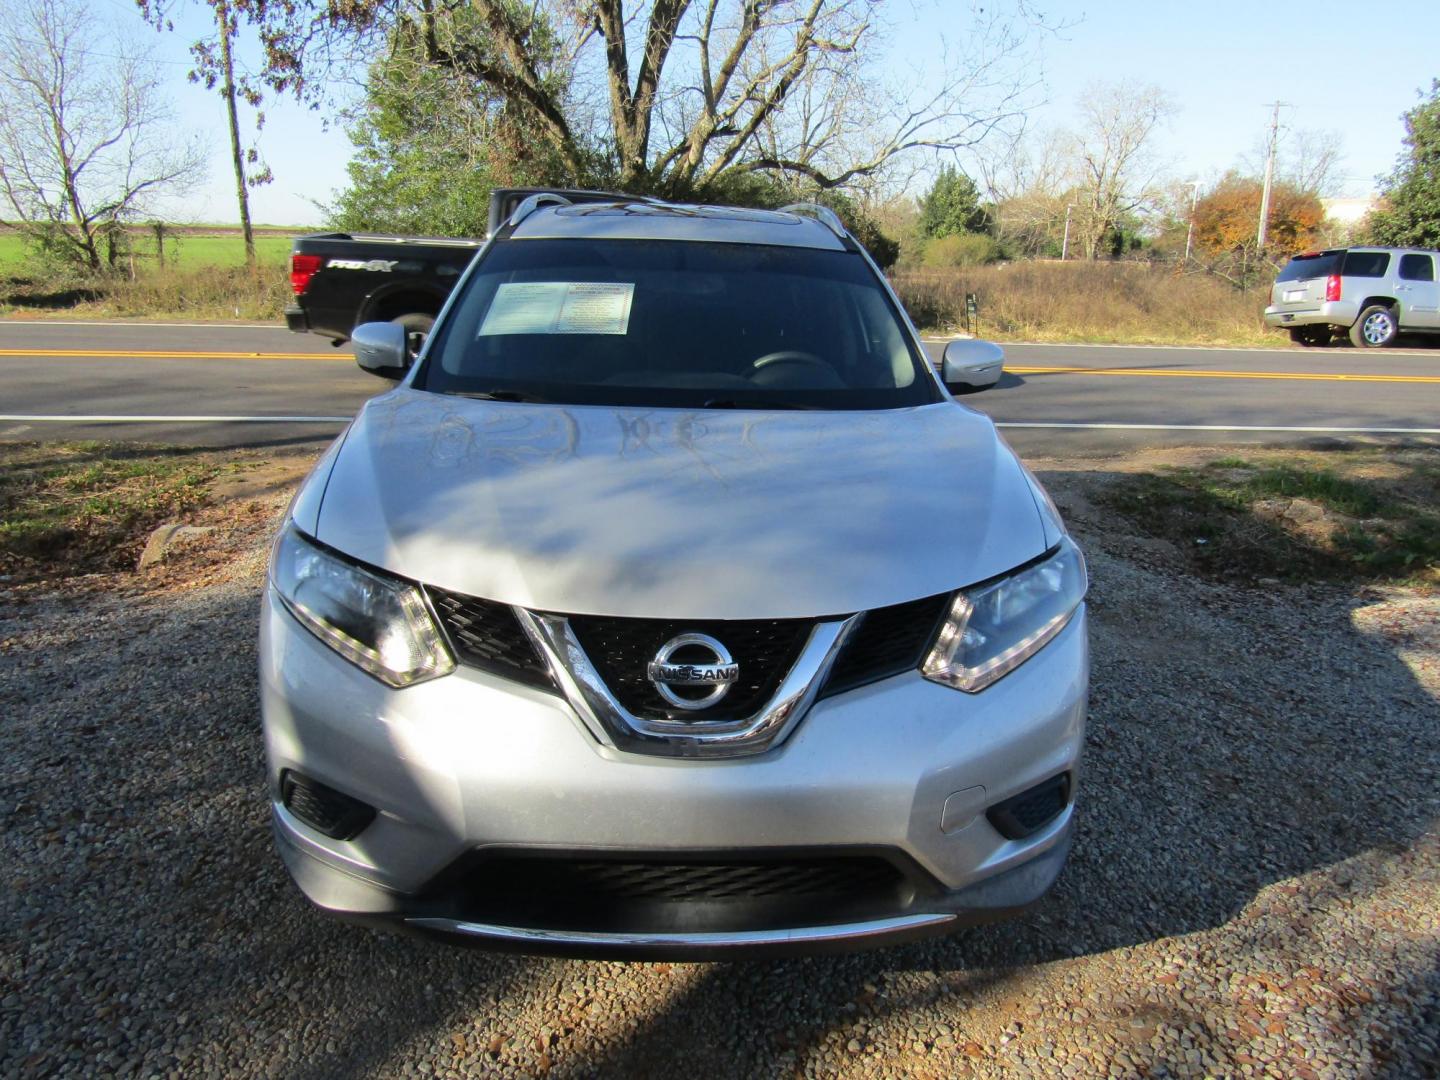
[[1227, 217]]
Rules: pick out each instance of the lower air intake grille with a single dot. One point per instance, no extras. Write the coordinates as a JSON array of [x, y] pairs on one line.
[[888, 641], [676, 882], [486, 635], [669, 893]]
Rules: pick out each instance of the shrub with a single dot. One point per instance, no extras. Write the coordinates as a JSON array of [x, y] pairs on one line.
[[964, 249]]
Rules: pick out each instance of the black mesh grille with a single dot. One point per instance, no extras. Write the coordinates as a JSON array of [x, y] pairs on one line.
[[888, 640], [688, 882], [1020, 815], [322, 807], [621, 650], [673, 892], [486, 634]]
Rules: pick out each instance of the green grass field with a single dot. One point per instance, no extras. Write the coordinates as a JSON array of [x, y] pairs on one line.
[[184, 251]]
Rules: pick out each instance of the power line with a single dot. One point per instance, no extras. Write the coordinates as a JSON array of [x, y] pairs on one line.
[[104, 55]]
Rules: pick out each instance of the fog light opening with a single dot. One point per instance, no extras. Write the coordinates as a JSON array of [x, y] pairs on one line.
[[324, 809], [1027, 813]]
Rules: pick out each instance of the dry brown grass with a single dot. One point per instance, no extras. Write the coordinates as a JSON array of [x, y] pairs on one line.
[[200, 292], [1031, 301], [1085, 301]]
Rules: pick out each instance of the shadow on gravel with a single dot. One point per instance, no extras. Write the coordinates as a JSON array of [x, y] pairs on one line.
[[1238, 737]]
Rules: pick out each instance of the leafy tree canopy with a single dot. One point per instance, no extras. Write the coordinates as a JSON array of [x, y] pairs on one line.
[[430, 144], [683, 97], [952, 207], [1409, 215]]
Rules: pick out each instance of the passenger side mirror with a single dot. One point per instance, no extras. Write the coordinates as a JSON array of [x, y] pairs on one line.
[[971, 364], [380, 349]]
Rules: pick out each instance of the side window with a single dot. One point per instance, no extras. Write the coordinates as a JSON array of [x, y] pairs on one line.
[[1366, 264], [1417, 267]]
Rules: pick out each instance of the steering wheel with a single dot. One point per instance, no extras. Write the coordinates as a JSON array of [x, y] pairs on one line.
[[790, 356]]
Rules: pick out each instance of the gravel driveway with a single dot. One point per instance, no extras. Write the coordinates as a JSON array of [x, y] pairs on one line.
[[1253, 891]]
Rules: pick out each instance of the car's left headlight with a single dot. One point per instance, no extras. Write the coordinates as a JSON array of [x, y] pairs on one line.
[[379, 623], [992, 629]]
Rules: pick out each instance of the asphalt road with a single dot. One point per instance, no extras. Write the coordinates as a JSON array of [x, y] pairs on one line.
[[258, 385]]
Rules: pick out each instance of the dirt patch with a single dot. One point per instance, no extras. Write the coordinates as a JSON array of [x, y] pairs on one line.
[[1366, 514], [73, 509]]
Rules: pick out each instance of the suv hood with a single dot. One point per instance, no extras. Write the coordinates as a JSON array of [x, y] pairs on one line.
[[675, 513]]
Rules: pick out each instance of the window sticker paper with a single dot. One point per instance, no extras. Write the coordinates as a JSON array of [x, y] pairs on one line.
[[559, 307]]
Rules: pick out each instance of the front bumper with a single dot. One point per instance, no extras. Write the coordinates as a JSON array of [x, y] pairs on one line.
[[1342, 313], [471, 763]]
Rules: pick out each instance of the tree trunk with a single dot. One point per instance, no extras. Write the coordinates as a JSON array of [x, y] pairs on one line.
[[227, 89]]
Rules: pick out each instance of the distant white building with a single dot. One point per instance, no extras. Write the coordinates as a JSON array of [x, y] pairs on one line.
[[1348, 211]]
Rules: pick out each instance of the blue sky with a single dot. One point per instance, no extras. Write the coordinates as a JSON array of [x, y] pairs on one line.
[[1347, 67]]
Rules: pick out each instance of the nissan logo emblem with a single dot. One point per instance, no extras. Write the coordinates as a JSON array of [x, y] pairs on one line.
[[693, 661]]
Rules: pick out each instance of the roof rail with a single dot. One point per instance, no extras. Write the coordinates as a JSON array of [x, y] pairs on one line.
[[531, 203], [506, 203], [823, 214]]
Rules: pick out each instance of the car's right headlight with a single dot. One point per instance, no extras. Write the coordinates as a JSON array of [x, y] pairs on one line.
[[992, 629], [379, 623]]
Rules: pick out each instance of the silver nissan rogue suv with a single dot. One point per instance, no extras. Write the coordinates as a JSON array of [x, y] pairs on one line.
[[669, 605]]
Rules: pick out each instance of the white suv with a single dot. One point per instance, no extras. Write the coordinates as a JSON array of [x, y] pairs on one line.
[[1370, 293]]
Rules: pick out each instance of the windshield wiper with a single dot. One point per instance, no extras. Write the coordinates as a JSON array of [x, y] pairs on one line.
[[753, 403], [497, 395]]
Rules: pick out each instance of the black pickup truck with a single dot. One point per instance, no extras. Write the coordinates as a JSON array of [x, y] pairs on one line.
[[341, 279]]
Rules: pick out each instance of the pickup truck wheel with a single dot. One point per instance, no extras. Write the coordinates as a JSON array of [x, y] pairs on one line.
[[1375, 328], [417, 325]]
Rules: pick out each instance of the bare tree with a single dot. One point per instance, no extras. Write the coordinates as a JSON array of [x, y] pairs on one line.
[[1030, 179], [1119, 171], [86, 141], [1310, 159], [679, 95], [215, 68]]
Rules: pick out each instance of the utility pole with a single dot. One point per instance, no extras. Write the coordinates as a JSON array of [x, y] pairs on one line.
[[1065, 243], [1194, 186], [1269, 175]]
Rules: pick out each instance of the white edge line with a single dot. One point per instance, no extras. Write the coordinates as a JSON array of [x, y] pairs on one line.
[[1195, 348], [132, 419], [27, 323], [1220, 427]]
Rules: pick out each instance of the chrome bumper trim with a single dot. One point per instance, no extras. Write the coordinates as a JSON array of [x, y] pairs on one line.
[[737, 939]]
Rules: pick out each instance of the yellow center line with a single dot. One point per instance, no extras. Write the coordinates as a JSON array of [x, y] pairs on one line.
[[1193, 373], [174, 354], [1018, 369]]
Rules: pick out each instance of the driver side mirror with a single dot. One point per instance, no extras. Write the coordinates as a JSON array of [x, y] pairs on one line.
[[380, 348], [971, 364]]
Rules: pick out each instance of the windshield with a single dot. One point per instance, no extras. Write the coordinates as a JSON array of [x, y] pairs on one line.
[[1311, 265], [676, 323]]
